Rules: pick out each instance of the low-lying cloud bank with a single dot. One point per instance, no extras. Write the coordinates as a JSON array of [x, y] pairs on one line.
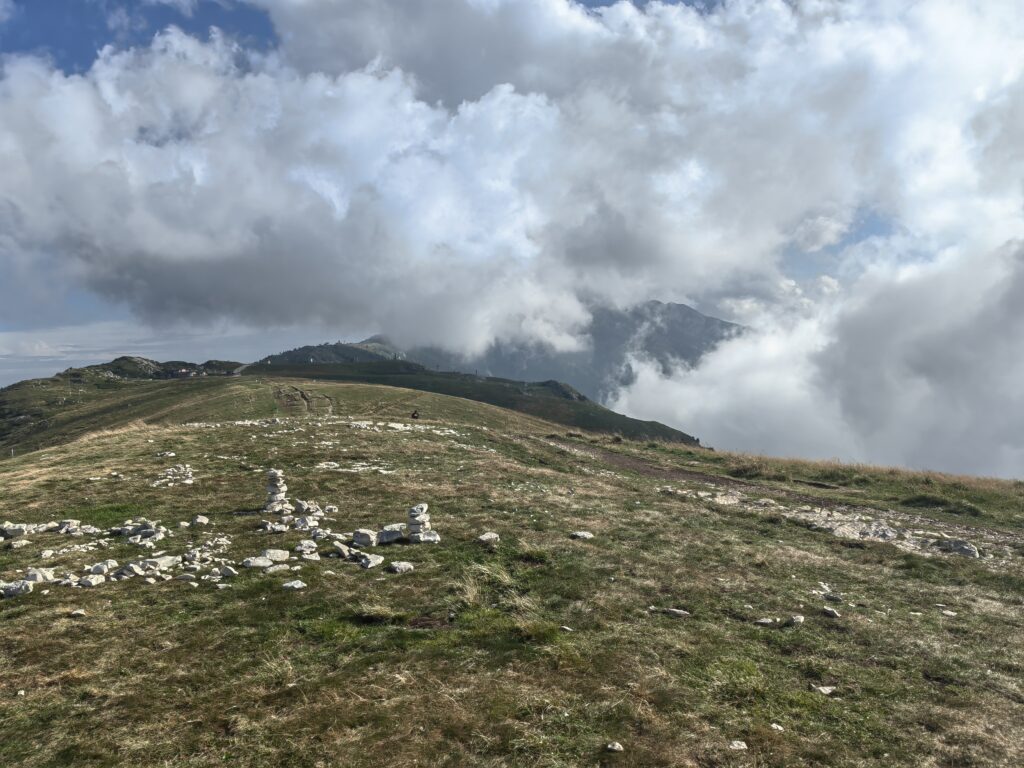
[[468, 170], [919, 367]]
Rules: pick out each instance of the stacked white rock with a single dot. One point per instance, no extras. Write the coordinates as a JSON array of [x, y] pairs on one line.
[[419, 526], [277, 494]]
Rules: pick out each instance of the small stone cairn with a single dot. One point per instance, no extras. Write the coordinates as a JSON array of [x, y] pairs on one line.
[[419, 526], [416, 531], [277, 494]]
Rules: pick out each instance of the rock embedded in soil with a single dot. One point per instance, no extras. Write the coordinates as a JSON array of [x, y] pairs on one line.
[[488, 538], [294, 585], [581, 535], [400, 566]]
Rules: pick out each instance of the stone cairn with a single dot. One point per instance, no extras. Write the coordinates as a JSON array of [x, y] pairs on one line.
[[416, 531], [277, 494], [419, 526]]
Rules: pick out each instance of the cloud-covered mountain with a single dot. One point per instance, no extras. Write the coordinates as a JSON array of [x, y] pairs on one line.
[[667, 335], [670, 336]]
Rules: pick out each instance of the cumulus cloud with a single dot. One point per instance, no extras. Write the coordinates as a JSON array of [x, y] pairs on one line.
[[461, 171], [6, 10]]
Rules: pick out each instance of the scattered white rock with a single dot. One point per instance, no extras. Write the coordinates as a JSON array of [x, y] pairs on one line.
[[581, 535], [276, 555], [737, 745], [294, 585], [488, 538], [16, 588], [824, 690], [400, 566], [257, 562], [364, 537], [832, 613], [426, 537], [366, 560], [614, 746]]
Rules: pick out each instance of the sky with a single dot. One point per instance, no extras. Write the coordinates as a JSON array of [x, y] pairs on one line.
[[229, 178]]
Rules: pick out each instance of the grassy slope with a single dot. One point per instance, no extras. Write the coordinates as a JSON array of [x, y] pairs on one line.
[[551, 401], [462, 662], [42, 412]]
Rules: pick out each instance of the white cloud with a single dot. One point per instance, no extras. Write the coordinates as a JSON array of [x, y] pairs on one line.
[[918, 366], [464, 170], [6, 10], [186, 7]]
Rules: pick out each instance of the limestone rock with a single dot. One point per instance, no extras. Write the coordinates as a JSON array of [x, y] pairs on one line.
[[294, 585], [958, 547], [581, 535], [39, 575], [364, 537], [488, 538], [832, 613], [367, 560], [390, 535], [162, 563], [277, 555], [16, 588], [257, 562], [400, 566], [614, 746], [343, 550], [92, 581], [738, 746], [426, 537]]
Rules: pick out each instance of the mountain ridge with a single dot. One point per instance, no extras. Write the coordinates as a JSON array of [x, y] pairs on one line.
[[666, 333]]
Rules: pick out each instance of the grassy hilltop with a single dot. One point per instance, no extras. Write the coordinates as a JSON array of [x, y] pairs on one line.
[[538, 651], [40, 412]]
